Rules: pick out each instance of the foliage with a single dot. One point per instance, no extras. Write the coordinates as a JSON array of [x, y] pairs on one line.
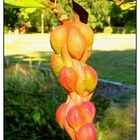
[[22, 3], [11, 18], [5, 30], [120, 17], [120, 122], [101, 14], [30, 105], [130, 27], [32, 97], [101, 105]]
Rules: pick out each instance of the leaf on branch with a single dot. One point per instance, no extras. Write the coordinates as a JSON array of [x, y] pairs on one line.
[[83, 14], [22, 3]]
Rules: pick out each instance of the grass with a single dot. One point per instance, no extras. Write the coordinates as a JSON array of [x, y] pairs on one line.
[[111, 57], [119, 120], [118, 124], [115, 65], [111, 65]]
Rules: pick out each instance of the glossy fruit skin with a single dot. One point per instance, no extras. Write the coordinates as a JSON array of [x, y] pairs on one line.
[[72, 43], [86, 32], [91, 78], [79, 115], [68, 78], [88, 110], [86, 132], [76, 45], [60, 114], [75, 118], [58, 38], [57, 63]]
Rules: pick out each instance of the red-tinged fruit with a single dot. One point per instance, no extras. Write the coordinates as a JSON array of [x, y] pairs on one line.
[[86, 132], [74, 117], [69, 130], [60, 114], [91, 78], [68, 78], [58, 38], [88, 110], [57, 63], [79, 115]]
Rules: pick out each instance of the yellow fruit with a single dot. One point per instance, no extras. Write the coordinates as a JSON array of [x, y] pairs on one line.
[[86, 32], [57, 63], [75, 42], [91, 78], [58, 38]]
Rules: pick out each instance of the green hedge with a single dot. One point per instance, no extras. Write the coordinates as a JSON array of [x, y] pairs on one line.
[[31, 98]]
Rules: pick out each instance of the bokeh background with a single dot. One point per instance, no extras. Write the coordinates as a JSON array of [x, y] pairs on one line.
[[32, 92]]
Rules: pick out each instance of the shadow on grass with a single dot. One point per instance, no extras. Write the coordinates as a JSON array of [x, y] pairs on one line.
[[37, 58], [115, 65], [110, 65]]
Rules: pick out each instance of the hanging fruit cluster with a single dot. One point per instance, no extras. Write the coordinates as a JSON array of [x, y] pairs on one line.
[[72, 43]]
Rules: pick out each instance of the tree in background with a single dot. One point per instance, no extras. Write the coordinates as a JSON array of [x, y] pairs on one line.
[[123, 14], [11, 18], [102, 13]]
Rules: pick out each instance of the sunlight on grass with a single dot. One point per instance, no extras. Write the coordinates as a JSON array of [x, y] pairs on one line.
[[31, 43], [111, 42]]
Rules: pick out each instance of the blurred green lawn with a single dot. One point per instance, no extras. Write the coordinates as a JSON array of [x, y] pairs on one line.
[[113, 56], [115, 65]]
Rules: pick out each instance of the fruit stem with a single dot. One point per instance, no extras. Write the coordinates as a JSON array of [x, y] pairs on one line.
[[59, 11]]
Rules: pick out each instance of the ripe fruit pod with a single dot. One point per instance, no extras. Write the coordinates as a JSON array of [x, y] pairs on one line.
[[86, 132], [88, 110], [74, 118], [68, 78], [60, 114], [57, 63], [86, 32], [76, 43], [79, 115], [91, 78], [58, 38]]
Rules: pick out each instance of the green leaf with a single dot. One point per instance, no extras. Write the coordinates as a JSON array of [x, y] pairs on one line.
[[36, 117], [22, 3]]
